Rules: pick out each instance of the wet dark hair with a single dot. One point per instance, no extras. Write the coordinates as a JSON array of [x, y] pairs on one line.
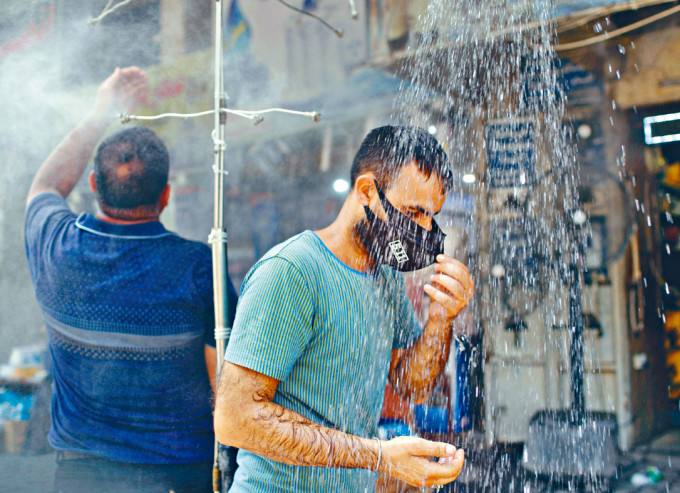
[[142, 181], [386, 150]]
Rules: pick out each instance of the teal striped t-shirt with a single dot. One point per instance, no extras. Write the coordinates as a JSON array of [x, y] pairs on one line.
[[326, 332]]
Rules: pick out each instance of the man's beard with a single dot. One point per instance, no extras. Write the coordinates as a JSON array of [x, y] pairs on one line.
[[396, 246], [361, 233]]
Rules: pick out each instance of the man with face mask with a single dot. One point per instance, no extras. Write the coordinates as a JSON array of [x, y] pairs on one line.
[[323, 320]]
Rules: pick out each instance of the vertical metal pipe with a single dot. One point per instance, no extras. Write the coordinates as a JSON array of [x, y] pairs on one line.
[[218, 234], [576, 323]]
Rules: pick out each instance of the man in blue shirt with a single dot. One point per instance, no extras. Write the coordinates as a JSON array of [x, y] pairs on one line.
[[129, 310], [323, 321]]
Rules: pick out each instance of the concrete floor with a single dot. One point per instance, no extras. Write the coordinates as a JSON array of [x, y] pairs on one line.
[[26, 473]]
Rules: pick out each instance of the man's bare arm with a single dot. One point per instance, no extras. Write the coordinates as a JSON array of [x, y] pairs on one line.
[[414, 371], [210, 354], [65, 165], [246, 418]]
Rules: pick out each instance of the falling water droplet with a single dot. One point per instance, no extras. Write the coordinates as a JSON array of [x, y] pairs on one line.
[[597, 27], [622, 49]]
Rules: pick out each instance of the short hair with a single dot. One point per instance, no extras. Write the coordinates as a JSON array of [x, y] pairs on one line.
[[386, 150], [146, 175]]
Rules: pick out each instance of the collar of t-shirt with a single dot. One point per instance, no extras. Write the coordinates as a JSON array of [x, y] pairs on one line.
[[136, 231]]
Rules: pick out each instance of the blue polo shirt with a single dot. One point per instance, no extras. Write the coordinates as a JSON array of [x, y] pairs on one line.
[[128, 310]]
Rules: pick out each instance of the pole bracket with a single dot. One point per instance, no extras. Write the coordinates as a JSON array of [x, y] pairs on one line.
[[217, 235], [222, 333]]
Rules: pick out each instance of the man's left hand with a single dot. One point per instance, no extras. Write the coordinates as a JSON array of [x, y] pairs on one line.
[[450, 289]]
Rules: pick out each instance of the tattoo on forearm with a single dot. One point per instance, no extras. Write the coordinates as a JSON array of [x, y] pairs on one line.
[[293, 437]]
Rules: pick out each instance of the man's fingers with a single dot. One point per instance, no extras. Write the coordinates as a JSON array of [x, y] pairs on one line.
[[451, 285], [448, 468], [426, 448], [459, 273], [438, 296], [456, 270], [444, 470], [131, 73], [421, 462]]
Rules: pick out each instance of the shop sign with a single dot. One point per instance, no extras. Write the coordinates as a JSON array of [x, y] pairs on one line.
[[511, 160]]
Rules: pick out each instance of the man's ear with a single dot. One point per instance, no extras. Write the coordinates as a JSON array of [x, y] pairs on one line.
[[93, 183], [164, 198], [365, 188]]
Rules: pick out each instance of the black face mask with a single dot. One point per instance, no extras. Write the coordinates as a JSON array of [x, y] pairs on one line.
[[399, 242]]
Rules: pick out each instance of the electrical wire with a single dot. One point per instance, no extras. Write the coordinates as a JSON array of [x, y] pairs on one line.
[[617, 32], [586, 16], [339, 32], [254, 116], [107, 10], [314, 115]]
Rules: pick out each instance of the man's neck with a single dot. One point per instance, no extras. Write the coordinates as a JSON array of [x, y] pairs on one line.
[[339, 238], [116, 220]]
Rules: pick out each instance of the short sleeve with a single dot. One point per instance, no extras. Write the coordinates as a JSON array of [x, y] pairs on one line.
[[46, 215], [274, 319], [407, 327]]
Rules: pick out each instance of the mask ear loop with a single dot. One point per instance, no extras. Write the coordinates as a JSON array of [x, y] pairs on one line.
[[384, 201]]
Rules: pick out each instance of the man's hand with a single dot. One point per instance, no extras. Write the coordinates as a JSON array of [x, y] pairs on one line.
[[121, 91], [451, 289], [65, 165], [409, 459]]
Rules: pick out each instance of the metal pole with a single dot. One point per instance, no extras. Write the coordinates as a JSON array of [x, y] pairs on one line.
[[218, 234], [576, 323]]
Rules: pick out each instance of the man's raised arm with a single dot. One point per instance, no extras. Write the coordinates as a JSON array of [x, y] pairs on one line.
[[246, 418], [414, 371], [65, 165]]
